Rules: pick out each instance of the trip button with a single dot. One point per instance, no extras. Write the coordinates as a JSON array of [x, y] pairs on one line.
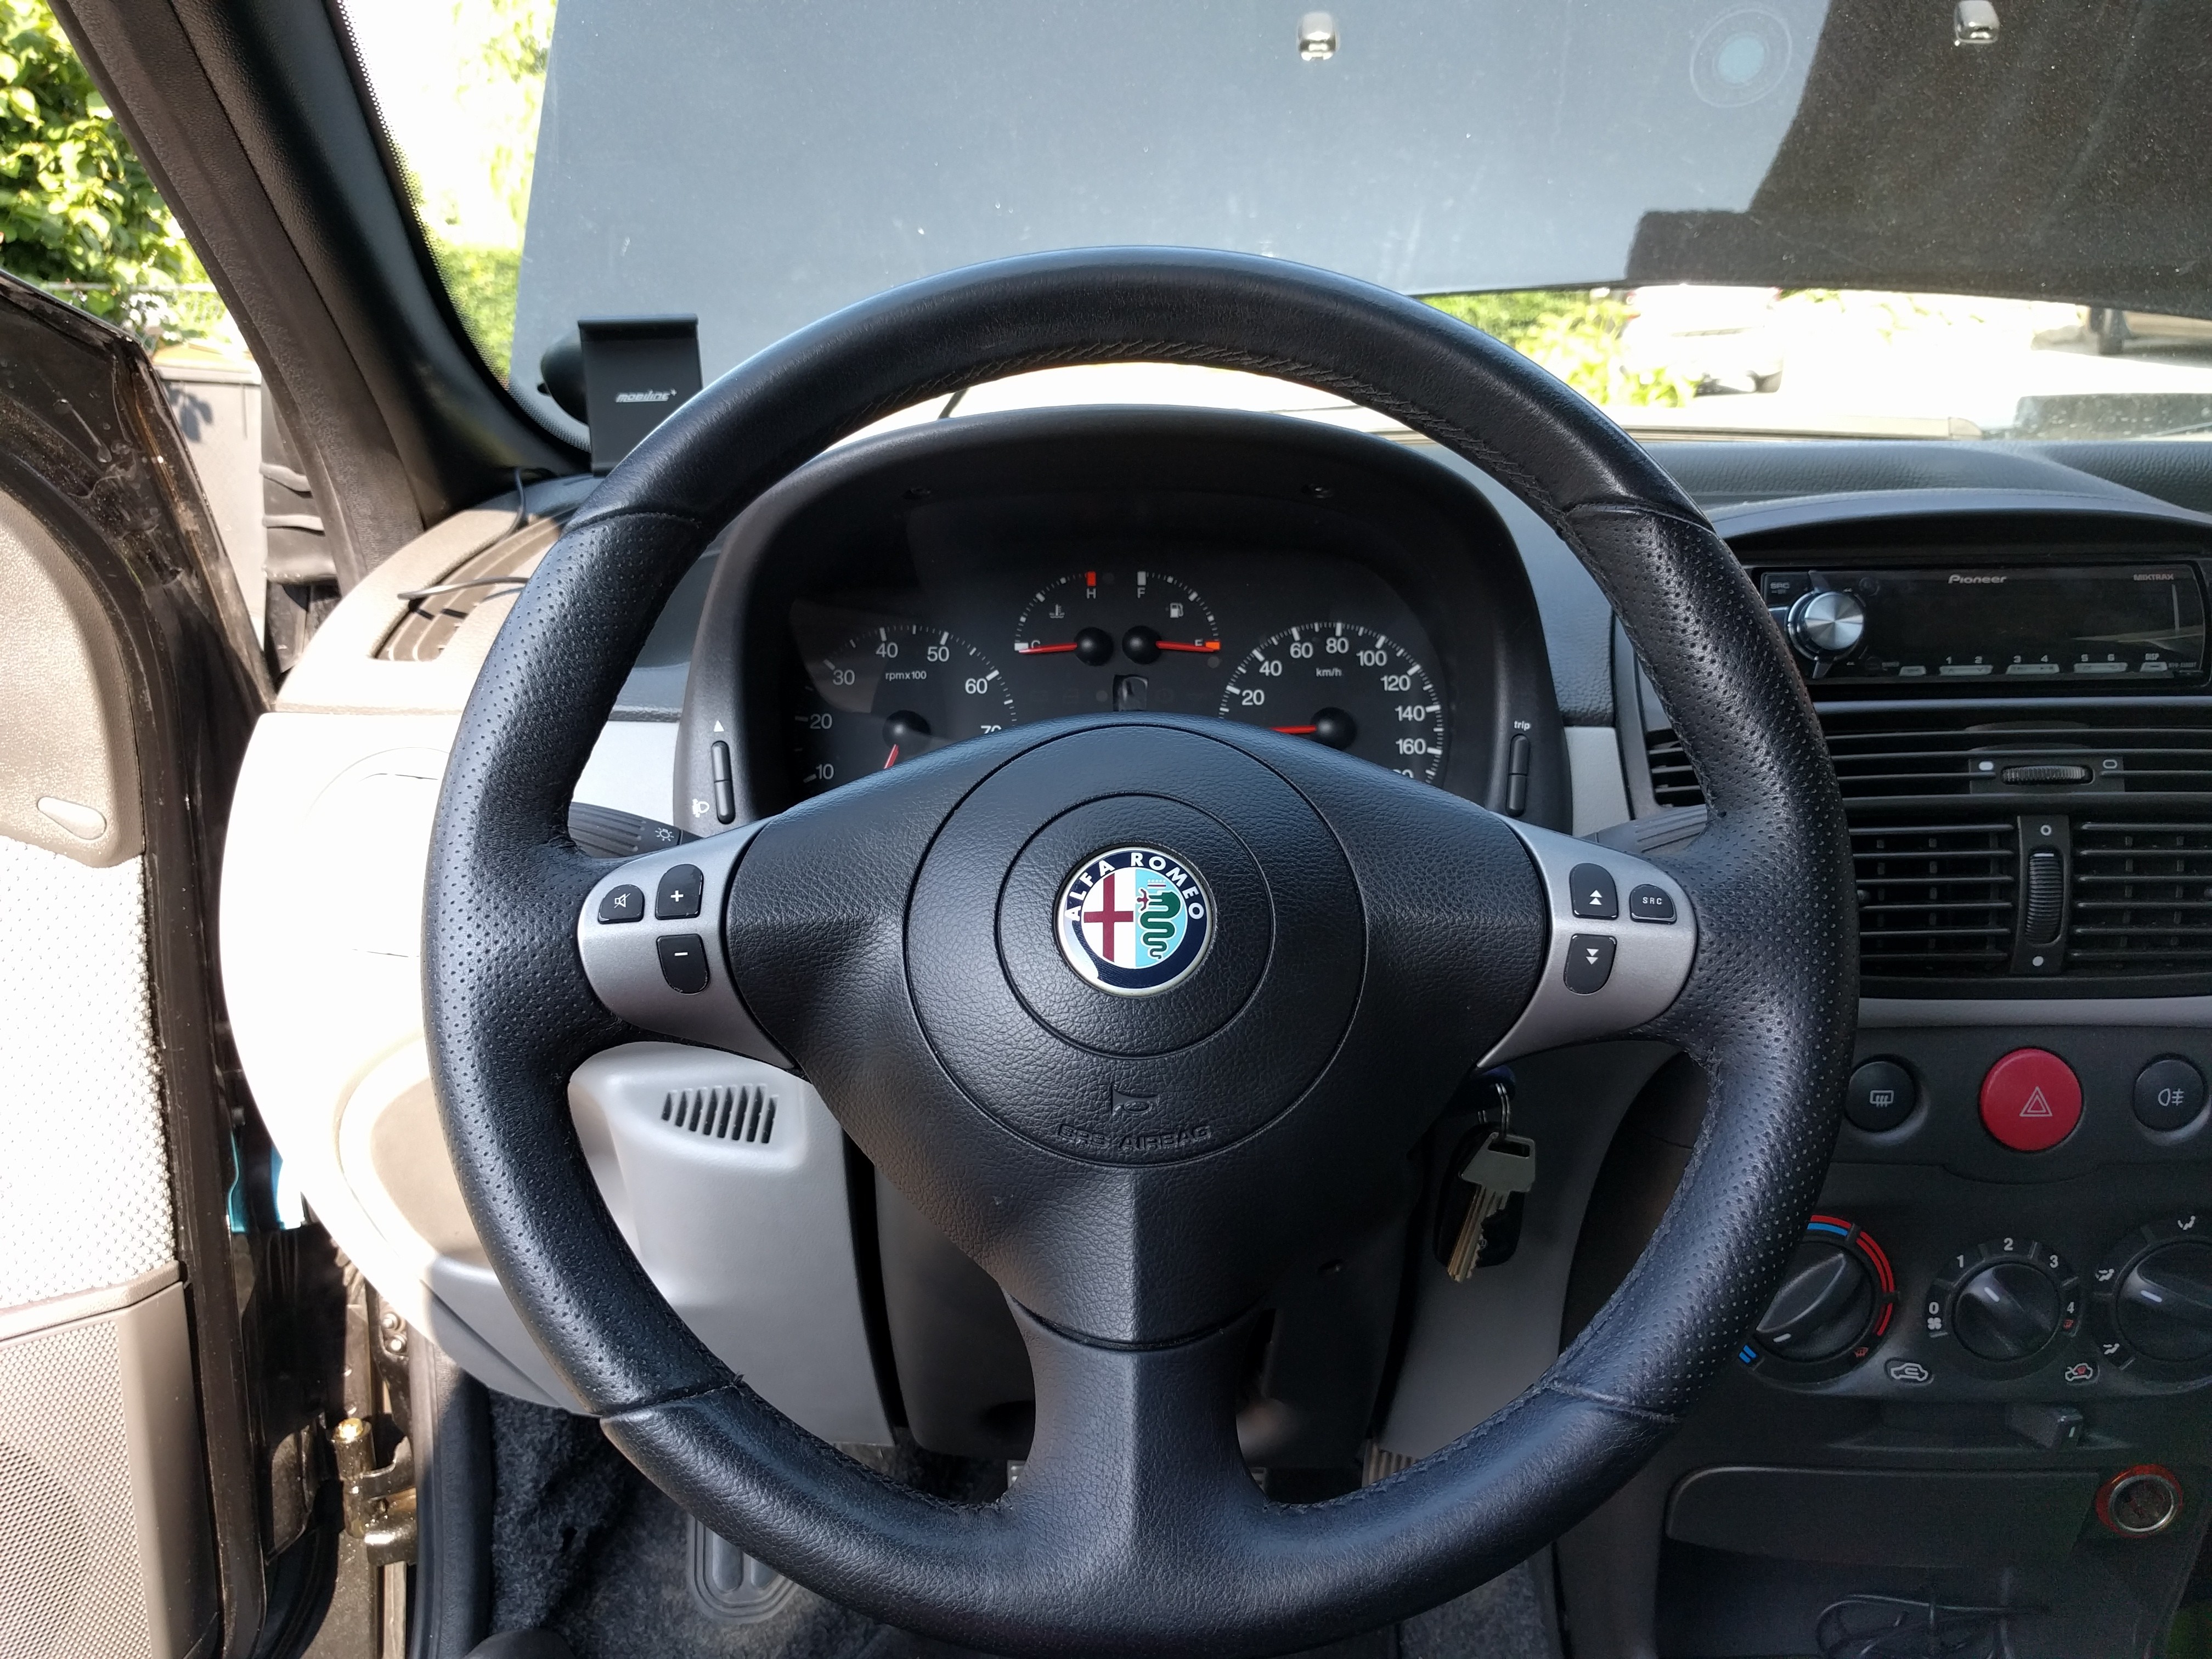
[[683, 961], [676, 898], [2031, 1100], [623, 904], [1589, 963], [1591, 893], [1650, 903]]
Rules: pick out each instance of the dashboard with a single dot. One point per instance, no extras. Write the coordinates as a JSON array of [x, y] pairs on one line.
[[1989, 1363]]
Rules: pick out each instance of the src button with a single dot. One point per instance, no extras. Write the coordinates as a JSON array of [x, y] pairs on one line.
[[1650, 903]]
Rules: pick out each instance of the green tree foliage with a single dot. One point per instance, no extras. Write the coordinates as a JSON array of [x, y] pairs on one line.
[[1576, 333], [499, 77], [483, 281], [77, 212]]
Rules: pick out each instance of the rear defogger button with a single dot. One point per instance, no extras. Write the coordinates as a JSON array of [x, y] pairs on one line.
[[1589, 963]]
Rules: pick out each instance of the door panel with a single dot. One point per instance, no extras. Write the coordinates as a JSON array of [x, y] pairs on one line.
[[131, 1490]]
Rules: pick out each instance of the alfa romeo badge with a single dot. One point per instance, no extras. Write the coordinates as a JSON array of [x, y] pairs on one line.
[[1133, 921]]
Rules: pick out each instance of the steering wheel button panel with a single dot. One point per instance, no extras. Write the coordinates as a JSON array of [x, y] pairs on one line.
[[1601, 976], [2031, 1100], [628, 966]]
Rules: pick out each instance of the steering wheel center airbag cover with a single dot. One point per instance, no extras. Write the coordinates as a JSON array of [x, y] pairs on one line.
[[1123, 1079]]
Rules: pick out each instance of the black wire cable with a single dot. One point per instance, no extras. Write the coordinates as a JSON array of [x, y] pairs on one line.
[[513, 525], [1918, 1628]]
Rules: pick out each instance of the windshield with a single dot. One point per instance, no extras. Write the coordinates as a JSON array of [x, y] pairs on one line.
[[1713, 218]]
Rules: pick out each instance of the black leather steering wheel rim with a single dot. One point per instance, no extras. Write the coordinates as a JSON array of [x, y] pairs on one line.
[[1768, 1010]]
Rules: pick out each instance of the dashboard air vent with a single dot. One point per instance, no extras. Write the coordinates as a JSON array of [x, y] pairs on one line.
[[1674, 783], [1904, 756], [739, 1114], [1936, 900], [2143, 898]]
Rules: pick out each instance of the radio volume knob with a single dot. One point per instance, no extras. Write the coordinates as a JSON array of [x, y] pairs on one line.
[[1828, 623]]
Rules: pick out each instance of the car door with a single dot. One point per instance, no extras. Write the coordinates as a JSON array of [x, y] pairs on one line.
[[136, 1507]]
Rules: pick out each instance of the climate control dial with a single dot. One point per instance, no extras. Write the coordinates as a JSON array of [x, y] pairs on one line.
[[2005, 1303], [1837, 1298], [2151, 1301]]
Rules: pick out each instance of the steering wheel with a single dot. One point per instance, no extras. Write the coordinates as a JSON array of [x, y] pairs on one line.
[[1133, 1146]]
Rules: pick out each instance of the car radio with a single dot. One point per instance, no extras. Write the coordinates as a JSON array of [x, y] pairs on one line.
[[2047, 624]]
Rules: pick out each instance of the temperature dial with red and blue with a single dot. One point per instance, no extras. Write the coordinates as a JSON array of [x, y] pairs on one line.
[[1836, 1302]]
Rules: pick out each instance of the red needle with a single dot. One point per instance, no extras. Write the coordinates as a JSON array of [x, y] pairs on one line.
[[891, 759], [1296, 731], [1196, 645], [1043, 650]]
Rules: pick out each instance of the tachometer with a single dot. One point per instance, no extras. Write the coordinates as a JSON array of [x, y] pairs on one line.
[[889, 694], [1347, 686]]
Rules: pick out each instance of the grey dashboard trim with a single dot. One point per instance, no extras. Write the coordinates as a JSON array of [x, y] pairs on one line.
[[1758, 518], [1891, 1013]]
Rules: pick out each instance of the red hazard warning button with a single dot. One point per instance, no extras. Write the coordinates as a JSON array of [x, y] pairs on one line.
[[2031, 1100]]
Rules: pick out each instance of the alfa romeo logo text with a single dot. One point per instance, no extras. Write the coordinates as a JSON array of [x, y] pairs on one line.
[[1135, 920]]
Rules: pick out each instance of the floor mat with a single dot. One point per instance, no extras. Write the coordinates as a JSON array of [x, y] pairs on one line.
[[585, 1545]]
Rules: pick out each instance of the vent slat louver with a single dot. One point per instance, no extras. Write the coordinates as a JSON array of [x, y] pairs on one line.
[[745, 1116], [1933, 821], [1936, 900], [2142, 898]]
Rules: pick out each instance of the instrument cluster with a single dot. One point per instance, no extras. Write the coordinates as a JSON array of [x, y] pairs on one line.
[[1302, 643]]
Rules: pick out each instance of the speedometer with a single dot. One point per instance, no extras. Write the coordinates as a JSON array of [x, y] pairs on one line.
[[1349, 687], [890, 693]]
